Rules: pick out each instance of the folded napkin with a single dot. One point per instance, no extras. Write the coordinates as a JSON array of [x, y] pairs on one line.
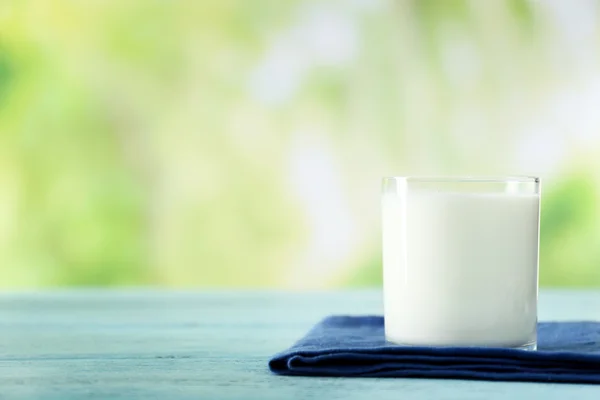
[[567, 352]]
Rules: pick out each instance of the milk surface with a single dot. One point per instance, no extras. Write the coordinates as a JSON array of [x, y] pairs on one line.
[[460, 268]]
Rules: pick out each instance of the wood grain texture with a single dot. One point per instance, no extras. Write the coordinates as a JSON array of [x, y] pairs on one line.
[[185, 345]]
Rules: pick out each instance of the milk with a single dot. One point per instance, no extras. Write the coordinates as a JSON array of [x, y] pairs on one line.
[[460, 268]]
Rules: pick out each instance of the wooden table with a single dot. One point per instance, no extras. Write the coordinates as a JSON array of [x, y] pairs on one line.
[[212, 345]]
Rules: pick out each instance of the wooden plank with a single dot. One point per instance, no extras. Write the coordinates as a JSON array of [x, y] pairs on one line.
[[210, 345]]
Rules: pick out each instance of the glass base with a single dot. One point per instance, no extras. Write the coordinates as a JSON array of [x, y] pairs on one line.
[[531, 346]]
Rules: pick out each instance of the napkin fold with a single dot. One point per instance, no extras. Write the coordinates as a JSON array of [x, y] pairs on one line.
[[355, 346]]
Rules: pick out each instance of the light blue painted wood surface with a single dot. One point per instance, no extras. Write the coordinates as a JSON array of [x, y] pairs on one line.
[[176, 345]]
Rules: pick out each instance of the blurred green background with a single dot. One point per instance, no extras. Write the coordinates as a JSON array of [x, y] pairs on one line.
[[241, 143]]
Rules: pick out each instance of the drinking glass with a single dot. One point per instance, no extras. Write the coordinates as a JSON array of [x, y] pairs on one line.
[[460, 260]]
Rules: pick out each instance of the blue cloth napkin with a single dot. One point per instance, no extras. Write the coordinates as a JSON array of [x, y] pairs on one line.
[[568, 352]]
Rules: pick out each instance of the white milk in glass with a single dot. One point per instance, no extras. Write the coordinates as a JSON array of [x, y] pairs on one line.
[[460, 269]]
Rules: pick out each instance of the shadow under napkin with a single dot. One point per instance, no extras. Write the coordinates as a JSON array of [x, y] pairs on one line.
[[568, 352]]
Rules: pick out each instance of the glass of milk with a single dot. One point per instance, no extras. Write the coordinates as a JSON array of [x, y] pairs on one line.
[[460, 261]]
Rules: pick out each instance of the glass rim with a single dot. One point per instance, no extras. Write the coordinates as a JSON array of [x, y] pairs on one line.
[[466, 179]]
